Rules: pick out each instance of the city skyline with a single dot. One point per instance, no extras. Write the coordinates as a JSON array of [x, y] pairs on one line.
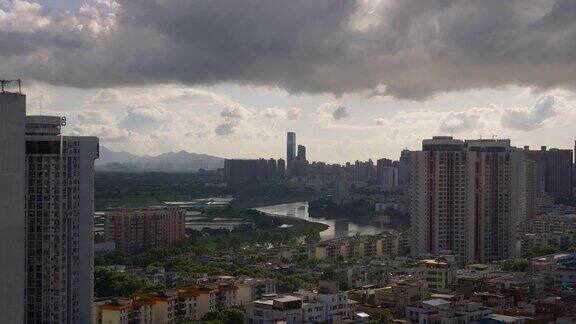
[[302, 161], [341, 115]]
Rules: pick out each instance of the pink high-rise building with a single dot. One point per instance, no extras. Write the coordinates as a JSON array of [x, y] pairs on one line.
[[467, 198], [133, 229]]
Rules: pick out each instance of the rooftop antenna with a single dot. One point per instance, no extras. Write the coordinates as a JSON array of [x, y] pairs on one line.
[[5, 83]]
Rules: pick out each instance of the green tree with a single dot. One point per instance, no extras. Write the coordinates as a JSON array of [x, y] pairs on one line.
[[227, 316], [516, 265], [108, 283]]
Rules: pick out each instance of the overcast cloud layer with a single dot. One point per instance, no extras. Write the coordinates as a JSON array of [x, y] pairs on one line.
[[410, 49]]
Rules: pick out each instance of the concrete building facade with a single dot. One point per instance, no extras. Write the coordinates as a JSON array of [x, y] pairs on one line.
[[133, 229], [500, 197], [59, 222], [290, 151], [442, 188], [12, 195], [553, 171], [467, 197]]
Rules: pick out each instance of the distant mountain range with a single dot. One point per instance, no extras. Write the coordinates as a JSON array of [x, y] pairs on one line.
[[167, 162]]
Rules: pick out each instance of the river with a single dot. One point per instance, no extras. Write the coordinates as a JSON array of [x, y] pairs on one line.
[[337, 228]]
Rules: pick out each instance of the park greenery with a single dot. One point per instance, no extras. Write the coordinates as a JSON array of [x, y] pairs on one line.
[[516, 265], [184, 257], [532, 253], [140, 189], [109, 283], [225, 316]]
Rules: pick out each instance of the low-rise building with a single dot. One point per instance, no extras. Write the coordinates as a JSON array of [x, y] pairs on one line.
[[493, 301], [277, 309], [558, 267], [194, 302], [327, 304], [440, 275], [250, 289], [164, 306], [394, 297], [335, 301], [436, 311], [501, 319], [126, 311]]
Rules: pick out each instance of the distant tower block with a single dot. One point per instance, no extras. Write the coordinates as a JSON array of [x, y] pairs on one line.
[[290, 151]]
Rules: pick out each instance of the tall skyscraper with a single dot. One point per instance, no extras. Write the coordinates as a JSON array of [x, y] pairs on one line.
[[290, 151], [301, 152], [240, 171], [530, 188], [442, 184], [500, 197], [389, 179], [381, 165], [404, 169], [272, 170], [559, 173], [59, 222], [539, 159], [553, 171], [250, 171], [467, 197], [281, 168], [12, 190]]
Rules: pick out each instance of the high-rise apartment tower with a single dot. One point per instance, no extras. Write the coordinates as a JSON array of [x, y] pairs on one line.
[[12, 231], [467, 198], [59, 222]]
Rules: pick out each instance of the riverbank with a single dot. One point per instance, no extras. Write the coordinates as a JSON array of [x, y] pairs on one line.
[[255, 202], [360, 212]]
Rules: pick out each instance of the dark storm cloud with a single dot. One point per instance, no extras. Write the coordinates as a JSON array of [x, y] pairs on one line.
[[340, 113], [404, 48]]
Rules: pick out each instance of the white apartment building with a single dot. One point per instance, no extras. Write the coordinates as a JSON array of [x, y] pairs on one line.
[[303, 307], [12, 231], [467, 198], [327, 305], [250, 289], [443, 311], [278, 309], [313, 311], [560, 268], [59, 222]]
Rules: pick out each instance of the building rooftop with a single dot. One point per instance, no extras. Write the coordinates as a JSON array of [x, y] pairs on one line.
[[503, 318], [435, 302], [362, 315], [287, 299]]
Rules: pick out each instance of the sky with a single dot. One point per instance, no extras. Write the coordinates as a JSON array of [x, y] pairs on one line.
[[355, 79]]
